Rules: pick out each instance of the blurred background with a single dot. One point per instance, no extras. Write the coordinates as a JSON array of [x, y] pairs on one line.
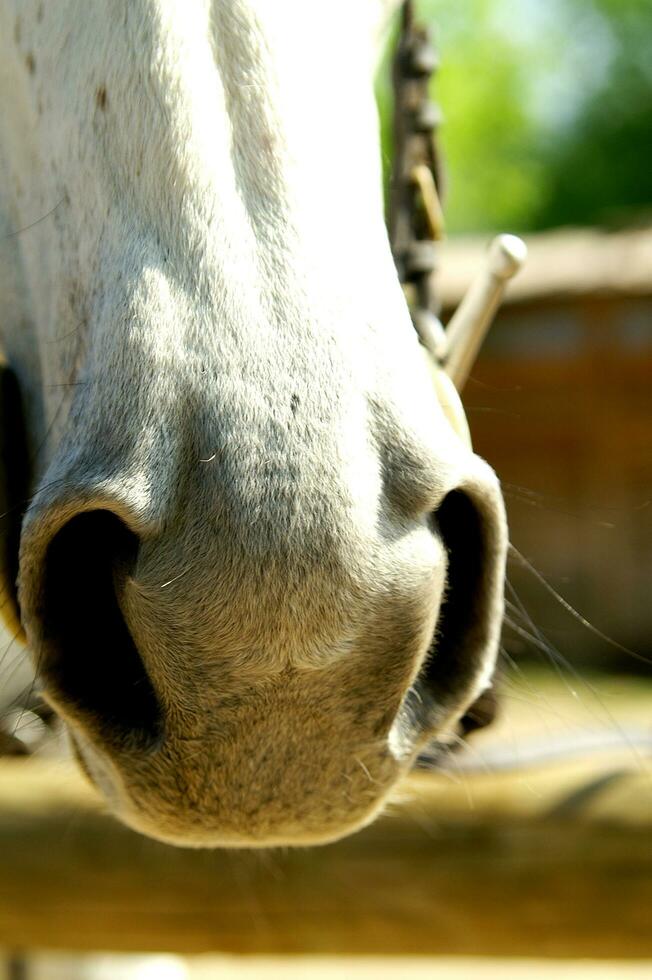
[[547, 112], [547, 131]]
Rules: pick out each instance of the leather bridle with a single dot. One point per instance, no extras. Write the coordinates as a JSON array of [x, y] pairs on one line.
[[416, 228]]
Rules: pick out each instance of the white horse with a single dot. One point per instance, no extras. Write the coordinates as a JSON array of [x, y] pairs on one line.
[[259, 569]]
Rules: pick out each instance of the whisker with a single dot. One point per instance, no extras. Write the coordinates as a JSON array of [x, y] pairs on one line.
[[572, 611], [33, 224], [69, 333], [558, 660]]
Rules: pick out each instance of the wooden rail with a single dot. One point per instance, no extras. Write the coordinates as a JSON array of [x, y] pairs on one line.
[[555, 862]]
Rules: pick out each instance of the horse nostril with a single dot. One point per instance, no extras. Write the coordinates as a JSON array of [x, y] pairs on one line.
[[464, 648], [86, 655]]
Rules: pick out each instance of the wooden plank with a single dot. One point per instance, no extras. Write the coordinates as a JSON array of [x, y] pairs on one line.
[[555, 863]]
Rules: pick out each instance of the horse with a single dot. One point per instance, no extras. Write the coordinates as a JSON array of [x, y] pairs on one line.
[[256, 567]]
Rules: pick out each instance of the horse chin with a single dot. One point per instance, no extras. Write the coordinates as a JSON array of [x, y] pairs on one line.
[[154, 799], [198, 837]]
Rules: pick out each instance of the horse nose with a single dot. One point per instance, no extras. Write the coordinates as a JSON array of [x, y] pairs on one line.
[[73, 570]]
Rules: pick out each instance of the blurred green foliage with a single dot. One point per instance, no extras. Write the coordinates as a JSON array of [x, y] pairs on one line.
[[548, 111]]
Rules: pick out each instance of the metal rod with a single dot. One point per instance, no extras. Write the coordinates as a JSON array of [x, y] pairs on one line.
[[468, 326]]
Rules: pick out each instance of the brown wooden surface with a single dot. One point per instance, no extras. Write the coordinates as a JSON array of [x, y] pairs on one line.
[[560, 403], [555, 862]]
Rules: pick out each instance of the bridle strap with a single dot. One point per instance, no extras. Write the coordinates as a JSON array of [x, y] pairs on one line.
[[416, 227], [416, 221]]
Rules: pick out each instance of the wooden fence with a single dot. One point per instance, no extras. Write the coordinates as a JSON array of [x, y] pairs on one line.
[[555, 861]]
